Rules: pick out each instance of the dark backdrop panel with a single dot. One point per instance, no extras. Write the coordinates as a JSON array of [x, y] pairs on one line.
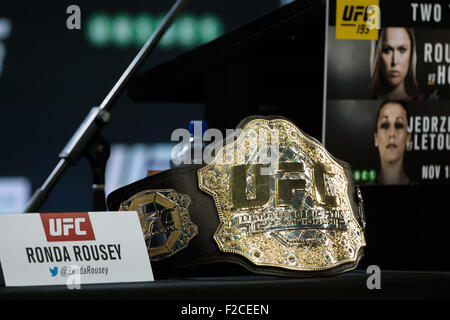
[[52, 76]]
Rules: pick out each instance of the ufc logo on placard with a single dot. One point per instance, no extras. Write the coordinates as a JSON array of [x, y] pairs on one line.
[[67, 226]]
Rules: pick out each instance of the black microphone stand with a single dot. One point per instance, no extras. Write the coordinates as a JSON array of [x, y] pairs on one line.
[[87, 139]]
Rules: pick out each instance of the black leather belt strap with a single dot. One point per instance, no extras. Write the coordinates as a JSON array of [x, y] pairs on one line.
[[202, 257], [299, 237]]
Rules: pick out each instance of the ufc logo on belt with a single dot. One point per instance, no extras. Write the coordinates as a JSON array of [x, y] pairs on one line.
[[67, 226], [259, 194]]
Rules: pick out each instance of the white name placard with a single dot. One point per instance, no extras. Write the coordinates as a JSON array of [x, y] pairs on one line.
[[73, 249]]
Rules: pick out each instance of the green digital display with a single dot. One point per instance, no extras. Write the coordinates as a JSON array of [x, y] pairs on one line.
[[123, 30], [364, 175]]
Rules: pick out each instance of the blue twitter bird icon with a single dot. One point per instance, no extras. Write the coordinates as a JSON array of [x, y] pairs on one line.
[[53, 271]]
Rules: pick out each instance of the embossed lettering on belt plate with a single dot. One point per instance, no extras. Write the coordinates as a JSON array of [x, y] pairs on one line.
[[296, 217]]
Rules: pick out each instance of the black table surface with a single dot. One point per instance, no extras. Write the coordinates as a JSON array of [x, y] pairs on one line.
[[395, 285]]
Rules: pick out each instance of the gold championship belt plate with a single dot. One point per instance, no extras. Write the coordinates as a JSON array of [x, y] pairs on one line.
[[272, 200], [295, 214]]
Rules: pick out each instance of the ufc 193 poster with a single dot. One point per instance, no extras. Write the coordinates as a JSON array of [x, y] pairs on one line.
[[387, 90]]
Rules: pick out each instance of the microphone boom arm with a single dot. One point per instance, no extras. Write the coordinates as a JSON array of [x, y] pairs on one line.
[[90, 128]]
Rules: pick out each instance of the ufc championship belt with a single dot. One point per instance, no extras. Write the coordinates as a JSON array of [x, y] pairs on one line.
[[272, 201]]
